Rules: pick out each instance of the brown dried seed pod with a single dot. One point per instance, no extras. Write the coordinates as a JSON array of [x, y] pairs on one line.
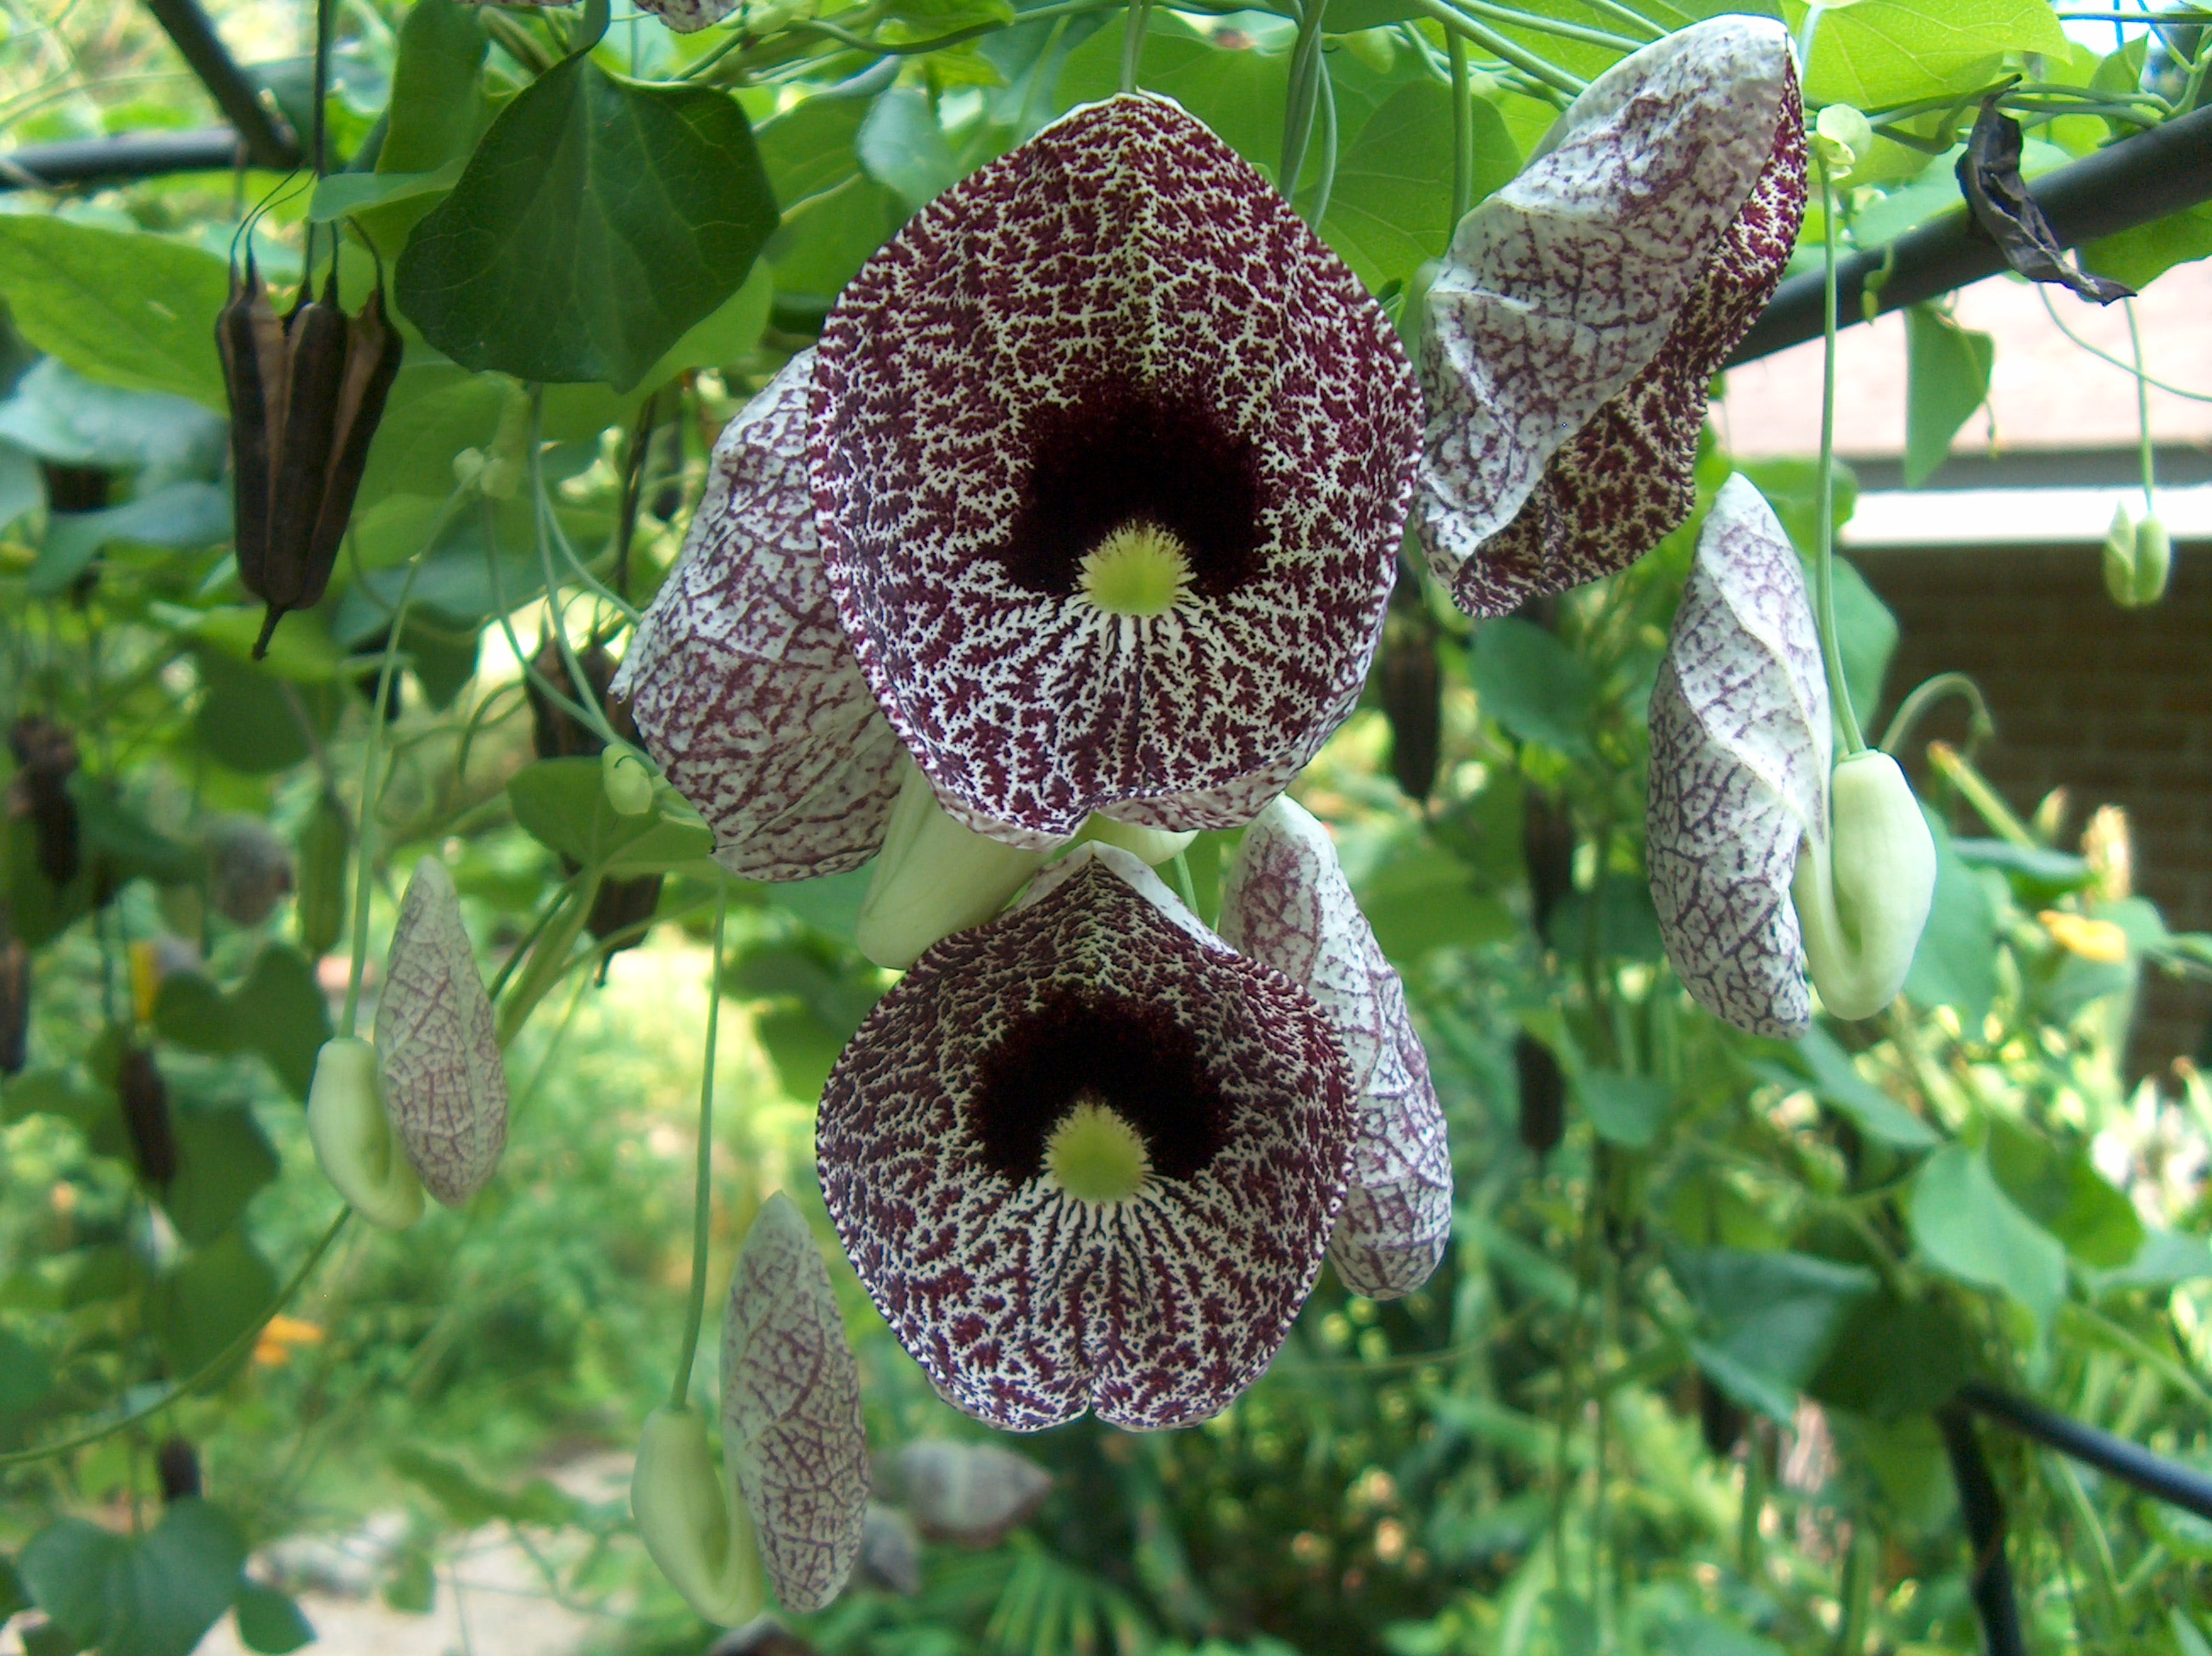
[[300, 447], [1413, 698], [46, 757], [1543, 1094], [1547, 844], [178, 1465], [145, 1100], [557, 733], [373, 350], [76, 488], [1720, 1418], [622, 904], [250, 341], [15, 1000]]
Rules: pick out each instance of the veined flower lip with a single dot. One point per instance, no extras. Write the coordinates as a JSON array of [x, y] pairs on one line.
[[1025, 1303], [1120, 325], [1582, 310]]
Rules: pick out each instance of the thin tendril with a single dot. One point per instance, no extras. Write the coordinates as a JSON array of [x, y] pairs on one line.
[[679, 1391], [1462, 90], [1840, 689], [2143, 408], [2103, 356], [1499, 46]]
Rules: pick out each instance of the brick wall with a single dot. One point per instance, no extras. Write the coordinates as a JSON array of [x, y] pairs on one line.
[[2116, 705]]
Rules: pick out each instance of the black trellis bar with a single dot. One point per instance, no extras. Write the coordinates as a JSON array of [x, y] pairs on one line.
[[2164, 170], [1994, 1602], [269, 142], [2155, 1476], [111, 160]]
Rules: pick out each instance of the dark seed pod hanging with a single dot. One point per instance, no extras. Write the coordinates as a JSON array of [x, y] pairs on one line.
[[622, 904], [145, 1100], [178, 1465], [75, 487], [46, 760], [1547, 844], [1543, 1094], [1412, 691], [1721, 1418], [14, 999], [557, 733], [305, 394]]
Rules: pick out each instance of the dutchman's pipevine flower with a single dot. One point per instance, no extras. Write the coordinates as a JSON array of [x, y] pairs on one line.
[[1087, 1156], [1767, 867], [1584, 308], [1088, 501]]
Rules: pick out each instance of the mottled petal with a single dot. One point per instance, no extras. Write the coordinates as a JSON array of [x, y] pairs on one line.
[[1584, 308], [1740, 749], [792, 1431], [1118, 335], [437, 1043], [689, 17], [1286, 903], [741, 681], [939, 1134]]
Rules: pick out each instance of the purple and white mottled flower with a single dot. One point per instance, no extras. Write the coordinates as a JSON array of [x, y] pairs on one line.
[[1110, 458], [1741, 744], [1584, 308], [685, 16], [1086, 1156], [1286, 903]]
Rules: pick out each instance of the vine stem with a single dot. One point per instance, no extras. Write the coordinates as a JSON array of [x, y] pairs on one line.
[[2143, 407], [200, 1376], [1462, 90], [1498, 45], [679, 1390], [372, 784], [1132, 42], [1824, 568]]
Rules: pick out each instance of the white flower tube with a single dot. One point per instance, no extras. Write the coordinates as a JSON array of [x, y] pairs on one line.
[[934, 876]]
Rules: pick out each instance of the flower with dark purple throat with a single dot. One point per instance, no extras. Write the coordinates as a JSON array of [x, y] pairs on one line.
[[1109, 459], [1086, 1156], [1584, 309]]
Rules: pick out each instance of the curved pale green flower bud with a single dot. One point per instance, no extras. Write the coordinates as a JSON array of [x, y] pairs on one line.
[[2137, 558], [934, 876], [353, 1137], [628, 780], [1861, 895], [694, 1530], [1150, 846], [1841, 136]]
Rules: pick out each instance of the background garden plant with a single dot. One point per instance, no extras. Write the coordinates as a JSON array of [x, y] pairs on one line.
[[1699, 1369]]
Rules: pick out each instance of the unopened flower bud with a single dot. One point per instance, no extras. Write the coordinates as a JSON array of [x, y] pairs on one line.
[[353, 1136], [1862, 896], [694, 1528], [934, 876], [2137, 558], [628, 780], [500, 478], [1841, 136]]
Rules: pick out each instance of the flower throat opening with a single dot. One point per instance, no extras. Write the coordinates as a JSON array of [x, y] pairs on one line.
[[1099, 1095], [1135, 500]]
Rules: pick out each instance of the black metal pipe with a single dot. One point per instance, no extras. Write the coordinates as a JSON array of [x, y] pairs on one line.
[[2155, 1476], [270, 142], [101, 160], [2124, 184], [1990, 1580]]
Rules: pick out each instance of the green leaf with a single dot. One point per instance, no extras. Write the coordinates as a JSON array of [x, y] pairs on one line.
[[1947, 379], [345, 195], [125, 308], [1625, 1110], [26, 1378], [222, 1160], [1877, 53], [269, 1622], [471, 1503], [153, 1595], [208, 1298], [2165, 1259], [1893, 1358], [413, 1586], [1792, 488], [13, 1597], [902, 146], [562, 805], [1955, 964], [1769, 1318], [1390, 207], [598, 221], [1238, 91], [1628, 923], [813, 149], [280, 1012], [1965, 1225], [1419, 897], [2062, 1191], [2137, 256], [1533, 685], [185, 516], [1836, 1080], [246, 722]]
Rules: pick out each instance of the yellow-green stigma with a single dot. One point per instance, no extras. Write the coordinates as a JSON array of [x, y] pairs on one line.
[[1138, 570], [1094, 1155]]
